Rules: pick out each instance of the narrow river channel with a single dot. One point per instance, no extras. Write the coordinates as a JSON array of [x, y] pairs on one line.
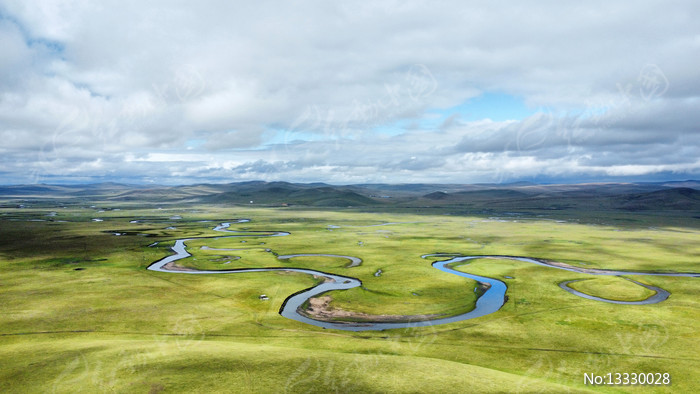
[[489, 302]]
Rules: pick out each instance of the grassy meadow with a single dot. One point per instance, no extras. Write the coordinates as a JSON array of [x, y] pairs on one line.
[[82, 314]]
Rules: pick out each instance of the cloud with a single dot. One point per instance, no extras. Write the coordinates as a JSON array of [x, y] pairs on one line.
[[350, 92]]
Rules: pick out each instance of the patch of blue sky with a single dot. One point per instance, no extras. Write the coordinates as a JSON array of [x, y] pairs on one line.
[[194, 143], [500, 107], [495, 106], [398, 127]]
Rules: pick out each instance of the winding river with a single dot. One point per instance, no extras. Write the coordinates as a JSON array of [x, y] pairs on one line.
[[489, 302]]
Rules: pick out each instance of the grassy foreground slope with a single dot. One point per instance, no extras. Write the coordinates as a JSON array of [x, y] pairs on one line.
[[82, 314]]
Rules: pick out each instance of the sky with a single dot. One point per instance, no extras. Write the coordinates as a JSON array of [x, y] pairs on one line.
[[179, 92]]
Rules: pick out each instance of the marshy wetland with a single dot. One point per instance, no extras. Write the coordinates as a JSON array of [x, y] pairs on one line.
[[460, 299]]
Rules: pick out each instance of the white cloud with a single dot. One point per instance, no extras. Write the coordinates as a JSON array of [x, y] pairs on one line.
[[322, 91]]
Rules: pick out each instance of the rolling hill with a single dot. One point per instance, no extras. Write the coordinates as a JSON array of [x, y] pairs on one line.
[[661, 196]]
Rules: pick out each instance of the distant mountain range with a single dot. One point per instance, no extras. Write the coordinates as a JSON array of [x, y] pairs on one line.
[[677, 195]]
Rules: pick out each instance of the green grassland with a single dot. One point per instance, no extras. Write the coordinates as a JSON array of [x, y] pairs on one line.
[[82, 314], [612, 288]]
